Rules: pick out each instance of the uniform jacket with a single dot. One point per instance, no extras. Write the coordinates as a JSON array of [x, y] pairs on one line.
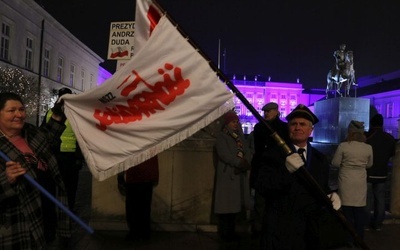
[[292, 205], [20, 203]]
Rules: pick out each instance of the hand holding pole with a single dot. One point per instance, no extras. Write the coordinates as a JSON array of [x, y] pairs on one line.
[[52, 198]]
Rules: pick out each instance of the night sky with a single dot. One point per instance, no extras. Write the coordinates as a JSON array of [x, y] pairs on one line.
[[282, 39]]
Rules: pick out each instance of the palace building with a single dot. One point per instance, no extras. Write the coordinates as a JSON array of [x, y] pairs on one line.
[[35, 43]]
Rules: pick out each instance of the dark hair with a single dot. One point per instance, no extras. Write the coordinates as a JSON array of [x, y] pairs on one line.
[[376, 120], [6, 96], [64, 91]]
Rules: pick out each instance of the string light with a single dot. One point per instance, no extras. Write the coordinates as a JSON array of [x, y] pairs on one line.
[[13, 80]]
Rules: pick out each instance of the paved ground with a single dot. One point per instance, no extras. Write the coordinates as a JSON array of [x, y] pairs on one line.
[[387, 239]]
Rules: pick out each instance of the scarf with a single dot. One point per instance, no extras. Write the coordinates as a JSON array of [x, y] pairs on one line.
[[239, 143]]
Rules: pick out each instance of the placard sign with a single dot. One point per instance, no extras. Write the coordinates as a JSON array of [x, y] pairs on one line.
[[120, 44]]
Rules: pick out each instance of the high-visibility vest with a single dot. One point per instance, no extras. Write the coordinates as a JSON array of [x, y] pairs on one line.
[[68, 139]]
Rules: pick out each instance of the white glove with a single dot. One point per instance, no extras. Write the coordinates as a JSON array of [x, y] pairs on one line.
[[336, 202], [294, 162]]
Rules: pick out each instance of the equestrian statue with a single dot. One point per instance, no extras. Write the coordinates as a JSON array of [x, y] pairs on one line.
[[342, 74]]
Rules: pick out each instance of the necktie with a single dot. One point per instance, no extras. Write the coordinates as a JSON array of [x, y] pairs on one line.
[[301, 151]]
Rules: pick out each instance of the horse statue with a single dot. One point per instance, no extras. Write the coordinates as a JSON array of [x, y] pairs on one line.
[[338, 76]]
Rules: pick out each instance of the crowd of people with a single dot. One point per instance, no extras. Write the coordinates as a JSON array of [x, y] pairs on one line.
[[289, 186]]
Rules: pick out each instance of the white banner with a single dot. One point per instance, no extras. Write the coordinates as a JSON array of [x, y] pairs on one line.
[[147, 16], [163, 95]]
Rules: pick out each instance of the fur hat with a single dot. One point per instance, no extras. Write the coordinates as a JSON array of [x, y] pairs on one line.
[[230, 116], [355, 126], [303, 112]]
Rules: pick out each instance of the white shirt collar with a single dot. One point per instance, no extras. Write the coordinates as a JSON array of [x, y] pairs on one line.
[[297, 148]]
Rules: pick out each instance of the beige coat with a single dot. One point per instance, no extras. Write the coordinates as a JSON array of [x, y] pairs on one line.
[[352, 159]]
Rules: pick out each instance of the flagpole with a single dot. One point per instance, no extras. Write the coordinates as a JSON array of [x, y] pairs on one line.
[[303, 172], [224, 57], [219, 53]]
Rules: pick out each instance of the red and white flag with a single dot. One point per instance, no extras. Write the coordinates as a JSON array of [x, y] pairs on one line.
[[146, 18], [163, 95]]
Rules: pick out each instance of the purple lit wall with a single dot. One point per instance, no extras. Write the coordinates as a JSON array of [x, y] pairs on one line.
[[289, 95], [286, 95], [388, 104], [102, 76]]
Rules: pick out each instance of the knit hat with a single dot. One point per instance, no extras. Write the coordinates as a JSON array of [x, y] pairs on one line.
[[230, 116], [355, 126], [376, 121]]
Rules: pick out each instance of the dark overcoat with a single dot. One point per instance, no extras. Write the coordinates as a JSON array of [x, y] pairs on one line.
[[293, 207]]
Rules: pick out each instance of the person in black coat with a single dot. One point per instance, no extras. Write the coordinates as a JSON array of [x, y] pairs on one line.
[[262, 142], [383, 147], [293, 208]]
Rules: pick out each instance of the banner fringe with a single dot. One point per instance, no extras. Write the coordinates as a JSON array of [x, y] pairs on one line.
[[164, 145]]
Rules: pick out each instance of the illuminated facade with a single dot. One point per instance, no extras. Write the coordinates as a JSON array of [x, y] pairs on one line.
[[32, 41], [383, 92], [287, 95]]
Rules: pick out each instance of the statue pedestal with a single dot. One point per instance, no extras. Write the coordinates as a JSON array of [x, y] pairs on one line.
[[335, 115]]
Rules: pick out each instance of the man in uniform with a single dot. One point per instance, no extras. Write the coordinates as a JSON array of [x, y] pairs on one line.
[[293, 207]]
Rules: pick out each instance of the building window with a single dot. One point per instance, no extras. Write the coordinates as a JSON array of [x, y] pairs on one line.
[[378, 108], [238, 110], [83, 74], [283, 100], [274, 98], [249, 97], [293, 100], [46, 63], [283, 112], [389, 110], [91, 81], [29, 53], [5, 42], [60, 66], [72, 76]]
